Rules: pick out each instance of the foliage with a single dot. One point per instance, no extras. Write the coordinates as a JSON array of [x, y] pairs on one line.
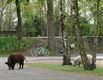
[[9, 45], [38, 8], [8, 1], [85, 26], [34, 17], [28, 18], [40, 26]]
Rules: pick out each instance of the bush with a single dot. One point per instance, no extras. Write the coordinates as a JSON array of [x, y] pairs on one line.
[[11, 44]]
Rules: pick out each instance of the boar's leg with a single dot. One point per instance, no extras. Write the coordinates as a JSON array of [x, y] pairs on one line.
[[22, 65], [19, 65], [12, 65]]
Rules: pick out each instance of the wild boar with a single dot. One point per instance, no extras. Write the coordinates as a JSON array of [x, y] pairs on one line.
[[15, 58]]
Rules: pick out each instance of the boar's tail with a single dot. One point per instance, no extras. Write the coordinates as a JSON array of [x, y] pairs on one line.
[[25, 59]]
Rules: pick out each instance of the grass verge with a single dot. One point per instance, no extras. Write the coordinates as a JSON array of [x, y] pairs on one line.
[[58, 67]]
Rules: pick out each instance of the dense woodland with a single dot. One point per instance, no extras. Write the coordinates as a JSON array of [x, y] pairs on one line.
[[34, 16], [71, 20]]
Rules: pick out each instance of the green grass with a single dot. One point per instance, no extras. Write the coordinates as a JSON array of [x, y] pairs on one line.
[[58, 67]]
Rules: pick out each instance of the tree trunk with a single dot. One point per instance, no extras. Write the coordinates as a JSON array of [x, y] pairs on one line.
[[50, 25], [66, 56], [1, 12], [96, 33], [19, 25], [80, 39]]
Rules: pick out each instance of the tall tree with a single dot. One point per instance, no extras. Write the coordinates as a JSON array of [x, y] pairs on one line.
[[18, 10], [96, 32], [19, 24], [66, 56], [50, 25], [80, 39]]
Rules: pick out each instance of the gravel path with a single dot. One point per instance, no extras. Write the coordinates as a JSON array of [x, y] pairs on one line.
[[39, 74]]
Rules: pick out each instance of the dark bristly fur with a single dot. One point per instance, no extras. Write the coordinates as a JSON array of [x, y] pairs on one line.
[[15, 58]]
